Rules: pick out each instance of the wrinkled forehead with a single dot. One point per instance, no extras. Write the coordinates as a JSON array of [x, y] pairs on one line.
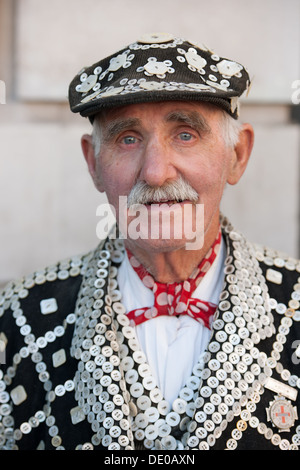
[[169, 111]]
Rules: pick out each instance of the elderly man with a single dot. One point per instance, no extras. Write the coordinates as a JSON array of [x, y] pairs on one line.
[[176, 332]]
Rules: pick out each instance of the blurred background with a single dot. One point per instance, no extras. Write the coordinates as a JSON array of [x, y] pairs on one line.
[[48, 202]]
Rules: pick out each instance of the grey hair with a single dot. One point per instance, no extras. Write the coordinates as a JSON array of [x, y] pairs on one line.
[[96, 135], [230, 128]]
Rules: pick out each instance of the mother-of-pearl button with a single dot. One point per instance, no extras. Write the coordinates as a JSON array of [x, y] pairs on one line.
[[156, 38], [156, 68]]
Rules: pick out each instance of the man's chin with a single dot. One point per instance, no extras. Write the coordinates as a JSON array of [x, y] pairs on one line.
[[156, 246], [165, 245]]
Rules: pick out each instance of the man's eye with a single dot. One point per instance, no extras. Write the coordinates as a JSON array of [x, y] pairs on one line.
[[129, 140], [186, 136]]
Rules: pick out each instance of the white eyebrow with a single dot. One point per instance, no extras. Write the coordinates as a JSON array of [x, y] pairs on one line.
[[191, 118], [115, 127]]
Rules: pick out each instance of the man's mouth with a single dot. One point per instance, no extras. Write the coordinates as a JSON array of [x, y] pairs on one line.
[[166, 201]]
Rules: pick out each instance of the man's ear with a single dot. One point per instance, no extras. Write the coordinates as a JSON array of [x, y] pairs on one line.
[[241, 154], [90, 158]]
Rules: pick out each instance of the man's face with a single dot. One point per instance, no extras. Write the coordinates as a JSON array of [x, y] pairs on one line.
[[158, 144]]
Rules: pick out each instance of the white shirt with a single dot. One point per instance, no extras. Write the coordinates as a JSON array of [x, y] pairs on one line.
[[172, 344]]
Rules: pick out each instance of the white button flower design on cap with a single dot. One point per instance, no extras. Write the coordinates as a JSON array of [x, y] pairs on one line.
[[154, 67], [229, 68], [87, 83], [121, 60], [194, 60], [117, 62]]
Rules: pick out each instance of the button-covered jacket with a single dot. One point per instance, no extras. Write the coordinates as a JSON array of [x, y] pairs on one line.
[[72, 374]]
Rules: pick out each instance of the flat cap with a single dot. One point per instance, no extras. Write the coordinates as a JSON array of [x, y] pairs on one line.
[[159, 67]]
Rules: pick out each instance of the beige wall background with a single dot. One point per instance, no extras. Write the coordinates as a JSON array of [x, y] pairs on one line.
[[48, 203]]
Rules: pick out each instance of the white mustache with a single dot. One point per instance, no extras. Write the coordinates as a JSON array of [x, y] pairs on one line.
[[179, 190]]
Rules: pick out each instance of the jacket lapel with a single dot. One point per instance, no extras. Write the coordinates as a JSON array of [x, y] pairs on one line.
[[233, 372]]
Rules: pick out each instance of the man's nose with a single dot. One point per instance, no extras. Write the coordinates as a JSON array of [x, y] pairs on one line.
[[157, 166]]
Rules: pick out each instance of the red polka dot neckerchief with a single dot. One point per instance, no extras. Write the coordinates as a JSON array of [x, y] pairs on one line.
[[175, 299]]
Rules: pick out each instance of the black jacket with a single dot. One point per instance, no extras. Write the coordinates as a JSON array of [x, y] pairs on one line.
[[66, 379]]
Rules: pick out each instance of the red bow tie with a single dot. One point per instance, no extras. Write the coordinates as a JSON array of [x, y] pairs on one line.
[[175, 299]]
